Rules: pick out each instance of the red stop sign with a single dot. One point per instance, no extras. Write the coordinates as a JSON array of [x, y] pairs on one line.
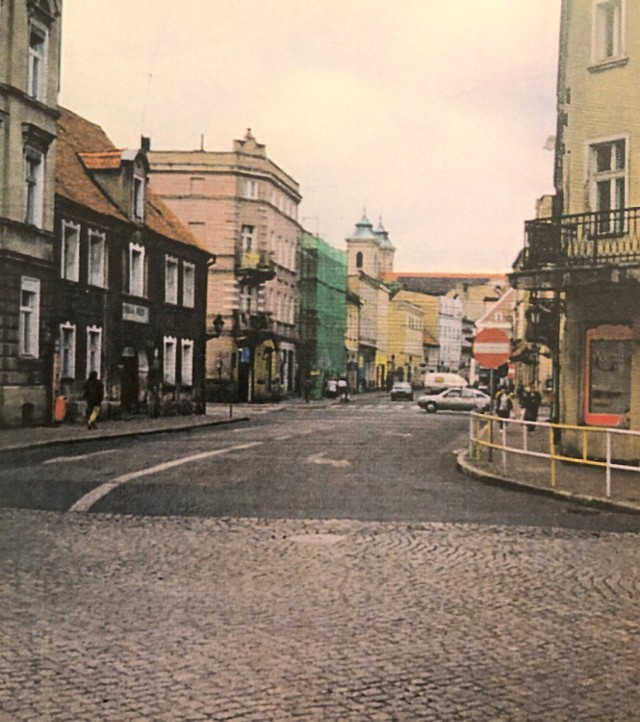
[[491, 348]]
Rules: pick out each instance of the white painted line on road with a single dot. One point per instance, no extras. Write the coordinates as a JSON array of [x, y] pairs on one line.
[[320, 459], [88, 500], [282, 438], [79, 457]]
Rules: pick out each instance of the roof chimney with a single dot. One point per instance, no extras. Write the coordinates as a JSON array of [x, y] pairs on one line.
[[145, 143]]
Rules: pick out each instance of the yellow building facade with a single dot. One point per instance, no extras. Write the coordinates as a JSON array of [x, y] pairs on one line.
[[584, 259]]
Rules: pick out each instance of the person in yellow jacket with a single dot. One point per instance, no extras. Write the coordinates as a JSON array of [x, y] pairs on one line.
[[93, 394]]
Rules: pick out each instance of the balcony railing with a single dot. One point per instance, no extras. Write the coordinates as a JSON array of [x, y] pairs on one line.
[[255, 267], [246, 324], [603, 238]]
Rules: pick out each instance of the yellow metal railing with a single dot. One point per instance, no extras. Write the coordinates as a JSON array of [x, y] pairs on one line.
[[501, 435]]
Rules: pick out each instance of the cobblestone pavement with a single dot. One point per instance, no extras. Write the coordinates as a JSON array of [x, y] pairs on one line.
[[122, 618]]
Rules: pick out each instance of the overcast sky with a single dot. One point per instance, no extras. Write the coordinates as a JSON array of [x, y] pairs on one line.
[[433, 115]]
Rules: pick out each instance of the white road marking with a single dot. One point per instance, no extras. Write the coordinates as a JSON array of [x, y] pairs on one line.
[[79, 457], [320, 459], [399, 433], [282, 438], [88, 500]]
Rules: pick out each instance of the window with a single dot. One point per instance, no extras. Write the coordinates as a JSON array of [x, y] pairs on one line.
[[96, 275], [608, 27], [70, 251], [249, 188], [171, 279], [67, 351], [138, 198], [246, 238], [188, 284], [34, 181], [359, 259], [137, 268], [29, 317], [186, 364], [37, 61], [94, 350], [608, 166], [169, 360]]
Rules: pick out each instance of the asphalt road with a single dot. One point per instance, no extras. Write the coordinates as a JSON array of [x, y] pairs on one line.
[[313, 565], [371, 460]]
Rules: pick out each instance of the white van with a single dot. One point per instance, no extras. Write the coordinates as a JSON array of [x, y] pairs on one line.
[[439, 380]]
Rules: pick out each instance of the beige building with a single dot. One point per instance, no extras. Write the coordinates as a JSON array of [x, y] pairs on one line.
[[586, 254], [369, 256], [244, 208], [29, 83], [405, 340]]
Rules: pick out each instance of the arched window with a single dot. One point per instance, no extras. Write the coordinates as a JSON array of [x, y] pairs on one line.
[[359, 259]]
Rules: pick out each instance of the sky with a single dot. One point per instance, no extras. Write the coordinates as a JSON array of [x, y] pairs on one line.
[[431, 115]]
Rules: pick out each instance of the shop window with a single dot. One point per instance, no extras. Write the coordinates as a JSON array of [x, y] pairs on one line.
[[186, 362], [29, 317], [607, 375], [67, 351], [169, 360], [94, 350]]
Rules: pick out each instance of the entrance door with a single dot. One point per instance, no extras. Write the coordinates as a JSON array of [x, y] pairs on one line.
[[130, 381]]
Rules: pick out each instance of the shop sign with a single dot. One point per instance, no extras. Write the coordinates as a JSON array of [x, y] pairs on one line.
[[134, 312]]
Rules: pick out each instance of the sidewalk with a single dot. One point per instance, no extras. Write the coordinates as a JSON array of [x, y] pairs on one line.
[[216, 414], [25, 438], [574, 482]]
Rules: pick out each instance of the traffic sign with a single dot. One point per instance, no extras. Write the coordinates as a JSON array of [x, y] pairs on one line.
[[491, 348]]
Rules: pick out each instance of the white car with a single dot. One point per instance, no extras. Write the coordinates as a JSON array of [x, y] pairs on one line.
[[455, 400]]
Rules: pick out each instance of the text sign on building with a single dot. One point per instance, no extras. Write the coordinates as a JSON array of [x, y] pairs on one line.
[[134, 312], [491, 348]]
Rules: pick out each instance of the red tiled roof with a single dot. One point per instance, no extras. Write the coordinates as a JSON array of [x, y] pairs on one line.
[[82, 148], [428, 340], [106, 160]]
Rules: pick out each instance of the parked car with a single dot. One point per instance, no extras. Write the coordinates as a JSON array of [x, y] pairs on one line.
[[401, 390], [436, 381], [455, 400]]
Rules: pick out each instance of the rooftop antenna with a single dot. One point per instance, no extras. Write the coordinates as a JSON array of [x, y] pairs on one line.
[[202, 141]]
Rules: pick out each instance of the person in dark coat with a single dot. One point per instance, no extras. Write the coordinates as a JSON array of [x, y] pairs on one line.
[[504, 403], [93, 394], [531, 402]]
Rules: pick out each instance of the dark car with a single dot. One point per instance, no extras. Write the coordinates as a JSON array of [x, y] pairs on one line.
[[455, 400], [401, 390]]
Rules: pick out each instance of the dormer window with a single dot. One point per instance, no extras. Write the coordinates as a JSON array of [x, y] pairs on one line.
[[138, 198]]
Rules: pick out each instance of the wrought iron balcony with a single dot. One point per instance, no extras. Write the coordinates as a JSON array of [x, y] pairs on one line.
[[252, 325], [255, 267], [603, 238]]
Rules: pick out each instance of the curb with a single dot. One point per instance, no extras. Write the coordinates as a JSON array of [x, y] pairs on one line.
[[118, 435], [486, 477]]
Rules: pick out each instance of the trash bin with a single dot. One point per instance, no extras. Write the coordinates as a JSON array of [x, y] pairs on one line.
[[60, 409]]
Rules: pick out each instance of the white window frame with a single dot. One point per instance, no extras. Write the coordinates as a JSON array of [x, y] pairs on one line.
[[94, 332], [186, 362], [29, 340], [171, 272], [34, 185], [138, 197], [37, 74], [188, 284], [247, 237], [70, 251], [169, 355], [96, 273], [250, 188], [600, 53], [612, 176], [67, 363], [137, 283]]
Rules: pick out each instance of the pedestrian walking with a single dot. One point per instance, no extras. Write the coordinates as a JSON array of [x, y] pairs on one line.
[[531, 402], [93, 394], [504, 404], [343, 389], [307, 388]]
